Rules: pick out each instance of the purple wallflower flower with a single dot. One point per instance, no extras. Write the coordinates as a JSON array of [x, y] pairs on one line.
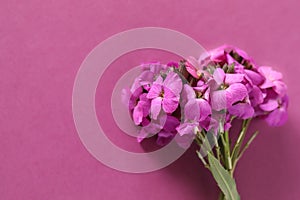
[[277, 111], [231, 89], [196, 110], [273, 79], [164, 94]]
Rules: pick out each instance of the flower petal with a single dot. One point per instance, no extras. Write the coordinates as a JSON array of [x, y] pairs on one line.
[[171, 124], [234, 78], [154, 91], [173, 83], [137, 114], [186, 134], [255, 77], [170, 104], [280, 88], [191, 110], [155, 107], [235, 92], [277, 117], [270, 105], [164, 137], [205, 109], [219, 76], [218, 100], [256, 96], [192, 66], [242, 110]]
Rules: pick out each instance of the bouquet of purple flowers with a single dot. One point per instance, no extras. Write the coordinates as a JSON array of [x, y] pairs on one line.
[[196, 100]]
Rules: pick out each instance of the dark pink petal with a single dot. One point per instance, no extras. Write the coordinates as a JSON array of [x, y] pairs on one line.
[[173, 83], [164, 137], [234, 78], [153, 127], [207, 123], [218, 54], [145, 103], [171, 124], [270, 105], [192, 66], [219, 76], [277, 117], [218, 100], [256, 96], [156, 107], [242, 110], [255, 77], [235, 92], [155, 91]]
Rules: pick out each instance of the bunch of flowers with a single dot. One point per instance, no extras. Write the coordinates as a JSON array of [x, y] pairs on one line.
[[198, 99]]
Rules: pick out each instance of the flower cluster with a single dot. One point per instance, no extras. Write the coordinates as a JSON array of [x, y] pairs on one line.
[[197, 95]]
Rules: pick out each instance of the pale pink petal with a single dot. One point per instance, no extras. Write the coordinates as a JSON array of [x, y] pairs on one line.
[[173, 82], [136, 87], [266, 84], [155, 91], [146, 77], [280, 88], [218, 100], [156, 107], [188, 92], [186, 134], [192, 110], [219, 76], [269, 73], [137, 114], [270, 105], [170, 104], [234, 78]]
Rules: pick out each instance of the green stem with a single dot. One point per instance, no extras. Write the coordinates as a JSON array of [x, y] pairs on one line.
[[203, 160], [239, 142], [245, 148], [218, 152], [227, 157]]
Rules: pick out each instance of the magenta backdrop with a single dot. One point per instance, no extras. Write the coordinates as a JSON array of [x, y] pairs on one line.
[[42, 44]]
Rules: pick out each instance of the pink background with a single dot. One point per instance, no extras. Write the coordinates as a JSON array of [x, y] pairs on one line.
[[42, 44]]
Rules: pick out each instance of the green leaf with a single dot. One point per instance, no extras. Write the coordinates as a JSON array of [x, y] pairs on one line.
[[225, 182]]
